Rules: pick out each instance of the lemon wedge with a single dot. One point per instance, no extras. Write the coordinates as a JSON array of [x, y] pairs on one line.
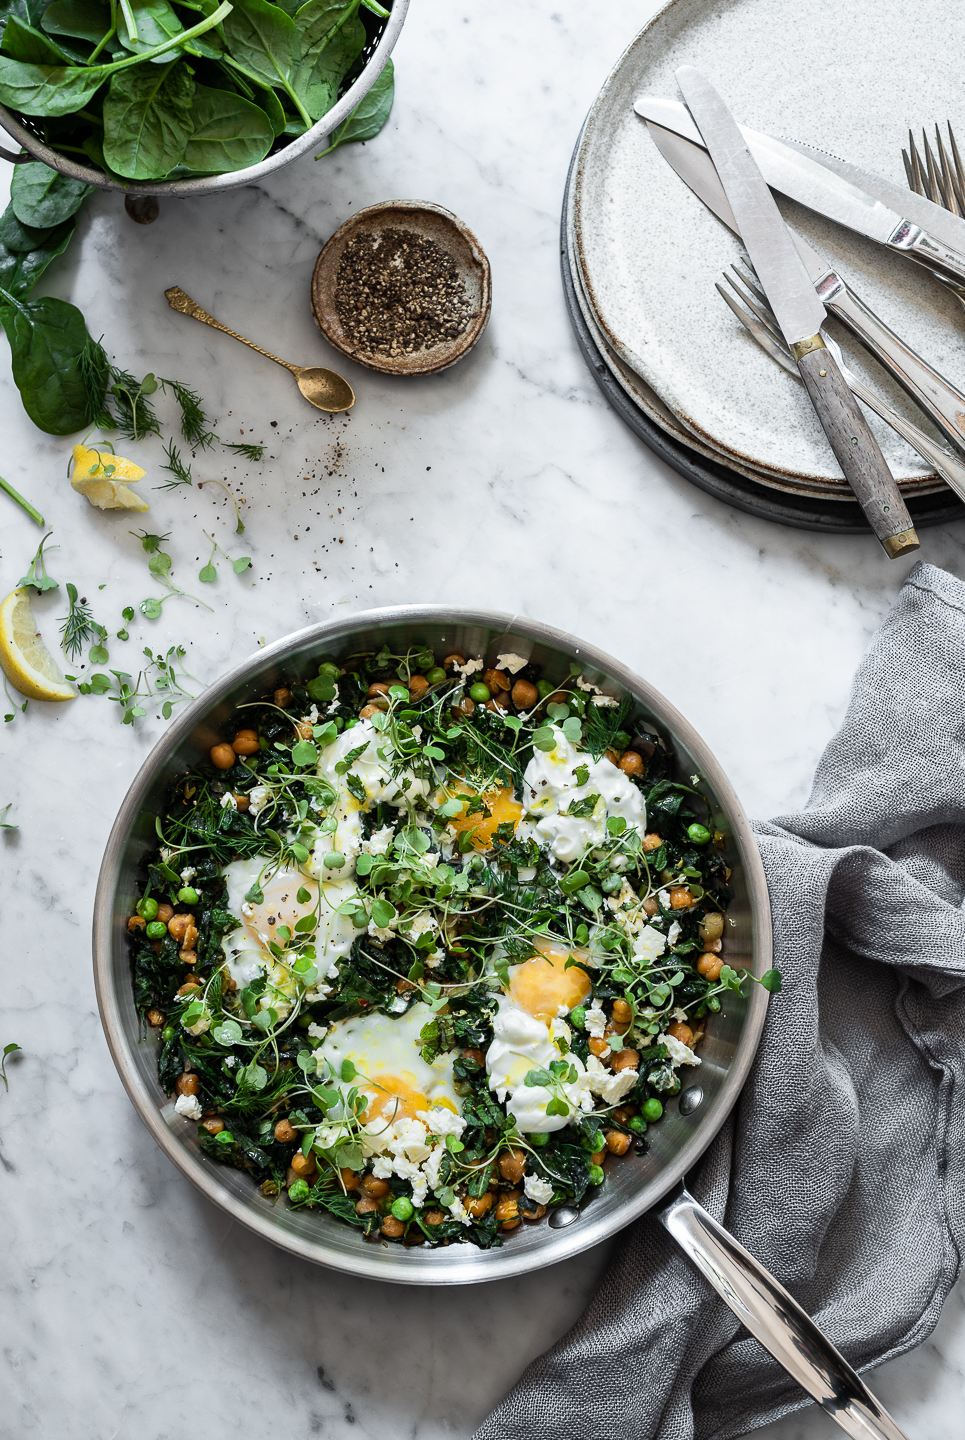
[[24, 659], [98, 476]]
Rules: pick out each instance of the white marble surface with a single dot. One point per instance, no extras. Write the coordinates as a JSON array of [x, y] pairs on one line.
[[128, 1306]]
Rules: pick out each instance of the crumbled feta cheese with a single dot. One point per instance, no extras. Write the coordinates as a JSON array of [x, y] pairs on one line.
[[398, 1005], [258, 797], [188, 1106], [442, 1121], [663, 897], [673, 934], [611, 1086], [526, 873], [380, 932], [458, 1212], [379, 842], [228, 801], [602, 700], [199, 1027], [382, 1167], [680, 1015], [320, 992], [535, 1188], [649, 945], [231, 1061], [595, 1023], [470, 668], [433, 1165], [678, 1052], [511, 662], [317, 1032], [188, 874]]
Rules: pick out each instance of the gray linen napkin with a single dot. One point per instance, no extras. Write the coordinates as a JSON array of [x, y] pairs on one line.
[[842, 1166]]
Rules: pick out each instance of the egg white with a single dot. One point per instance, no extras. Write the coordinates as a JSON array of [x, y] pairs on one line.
[[386, 1050], [550, 788]]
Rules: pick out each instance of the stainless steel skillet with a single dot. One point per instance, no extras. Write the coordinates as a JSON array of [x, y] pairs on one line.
[[633, 1185]]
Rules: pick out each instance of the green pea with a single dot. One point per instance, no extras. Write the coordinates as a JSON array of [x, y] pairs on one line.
[[156, 930], [262, 743], [147, 908], [652, 1110], [545, 688], [698, 834], [637, 1124], [539, 1140], [399, 692], [334, 860], [596, 1174], [403, 1208], [351, 723], [479, 692], [187, 895], [169, 1032], [594, 1142], [298, 1191], [436, 675], [577, 1017], [329, 670]]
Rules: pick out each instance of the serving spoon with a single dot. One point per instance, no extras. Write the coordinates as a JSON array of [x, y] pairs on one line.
[[322, 388]]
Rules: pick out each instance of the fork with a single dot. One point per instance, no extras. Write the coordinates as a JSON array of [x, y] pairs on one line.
[[758, 319], [940, 179]]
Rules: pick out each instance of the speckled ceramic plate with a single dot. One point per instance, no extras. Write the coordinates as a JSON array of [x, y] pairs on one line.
[[649, 253]]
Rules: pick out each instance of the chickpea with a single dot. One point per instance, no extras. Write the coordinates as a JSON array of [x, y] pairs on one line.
[[366, 1206], [290, 1178], [378, 687], [349, 1178], [598, 1157], [246, 743], [496, 680], [478, 1207], [599, 1048], [367, 711], [617, 1143], [418, 685], [242, 802], [303, 729], [304, 1165], [189, 985], [536, 1214], [622, 1015], [283, 697], [500, 700], [508, 1207], [630, 763], [650, 906], [709, 965], [711, 927], [623, 1113], [392, 1228], [222, 756], [285, 1132], [512, 1164], [681, 1032], [164, 912], [155, 1018], [465, 707], [188, 1084], [453, 659], [681, 898], [136, 922], [525, 695], [626, 1060], [213, 1125], [476, 1055], [613, 756], [436, 1217], [374, 1187], [178, 926], [651, 841]]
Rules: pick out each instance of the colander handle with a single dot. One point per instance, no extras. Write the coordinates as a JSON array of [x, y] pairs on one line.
[[776, 1319], [14, 159]]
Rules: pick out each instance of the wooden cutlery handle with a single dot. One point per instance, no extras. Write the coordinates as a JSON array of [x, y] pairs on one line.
[[858, 453]]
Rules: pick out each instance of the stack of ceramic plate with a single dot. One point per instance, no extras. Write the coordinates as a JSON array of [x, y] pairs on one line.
[[641, 254]]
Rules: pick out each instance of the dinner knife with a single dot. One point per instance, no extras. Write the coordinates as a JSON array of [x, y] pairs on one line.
[[799, 314], [840, 192], [939, 399]]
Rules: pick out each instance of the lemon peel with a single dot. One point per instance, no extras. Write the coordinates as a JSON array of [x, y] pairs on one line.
[[24, 659], [98, 476]]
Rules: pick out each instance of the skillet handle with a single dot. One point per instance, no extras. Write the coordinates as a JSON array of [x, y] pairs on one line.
[[776, 1320]]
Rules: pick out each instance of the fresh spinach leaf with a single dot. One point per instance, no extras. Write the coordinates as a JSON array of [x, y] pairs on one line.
[[47, 340], [29, 11], [23, 42], [263, 41], [229, 132], [368, 117], [80, 19], [155, 22], [21, 269], [147, 120], [42, 197], [320, 72], [16, 236], [48, 89]]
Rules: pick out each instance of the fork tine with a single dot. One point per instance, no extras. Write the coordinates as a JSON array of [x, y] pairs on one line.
[[952, 199], [932, 183], [916, 179], [909, 173], [758, 333], [958, 174], [761, 309]]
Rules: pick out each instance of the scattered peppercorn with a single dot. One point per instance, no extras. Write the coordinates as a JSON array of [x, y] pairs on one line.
[[397, 292]]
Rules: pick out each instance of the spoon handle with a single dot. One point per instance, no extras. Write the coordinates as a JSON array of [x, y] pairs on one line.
[[177, 300]]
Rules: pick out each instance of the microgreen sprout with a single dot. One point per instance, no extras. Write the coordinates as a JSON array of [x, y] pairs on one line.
[[134, 417], [160, 566], [36, 575], [239, 523], [161, 679], [8, 1050], [6, 824], [35, 515], [209, 572]]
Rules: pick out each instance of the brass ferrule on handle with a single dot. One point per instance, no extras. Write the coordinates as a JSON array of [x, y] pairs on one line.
[[901, 544], [804, 347]]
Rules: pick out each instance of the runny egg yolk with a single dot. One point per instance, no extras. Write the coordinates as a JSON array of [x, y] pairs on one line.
[[280, 905], [398, 1098], [502, 806], [542, 984]]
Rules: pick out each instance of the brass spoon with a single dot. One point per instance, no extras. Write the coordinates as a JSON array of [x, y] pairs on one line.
[[322, 388]]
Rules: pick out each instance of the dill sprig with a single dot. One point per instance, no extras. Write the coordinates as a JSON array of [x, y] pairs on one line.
[[195, 425], [180, 471], [95, 371], [250, 452], [77, 627]]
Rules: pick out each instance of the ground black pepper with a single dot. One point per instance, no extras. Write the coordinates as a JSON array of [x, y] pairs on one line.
[[397, 292]]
